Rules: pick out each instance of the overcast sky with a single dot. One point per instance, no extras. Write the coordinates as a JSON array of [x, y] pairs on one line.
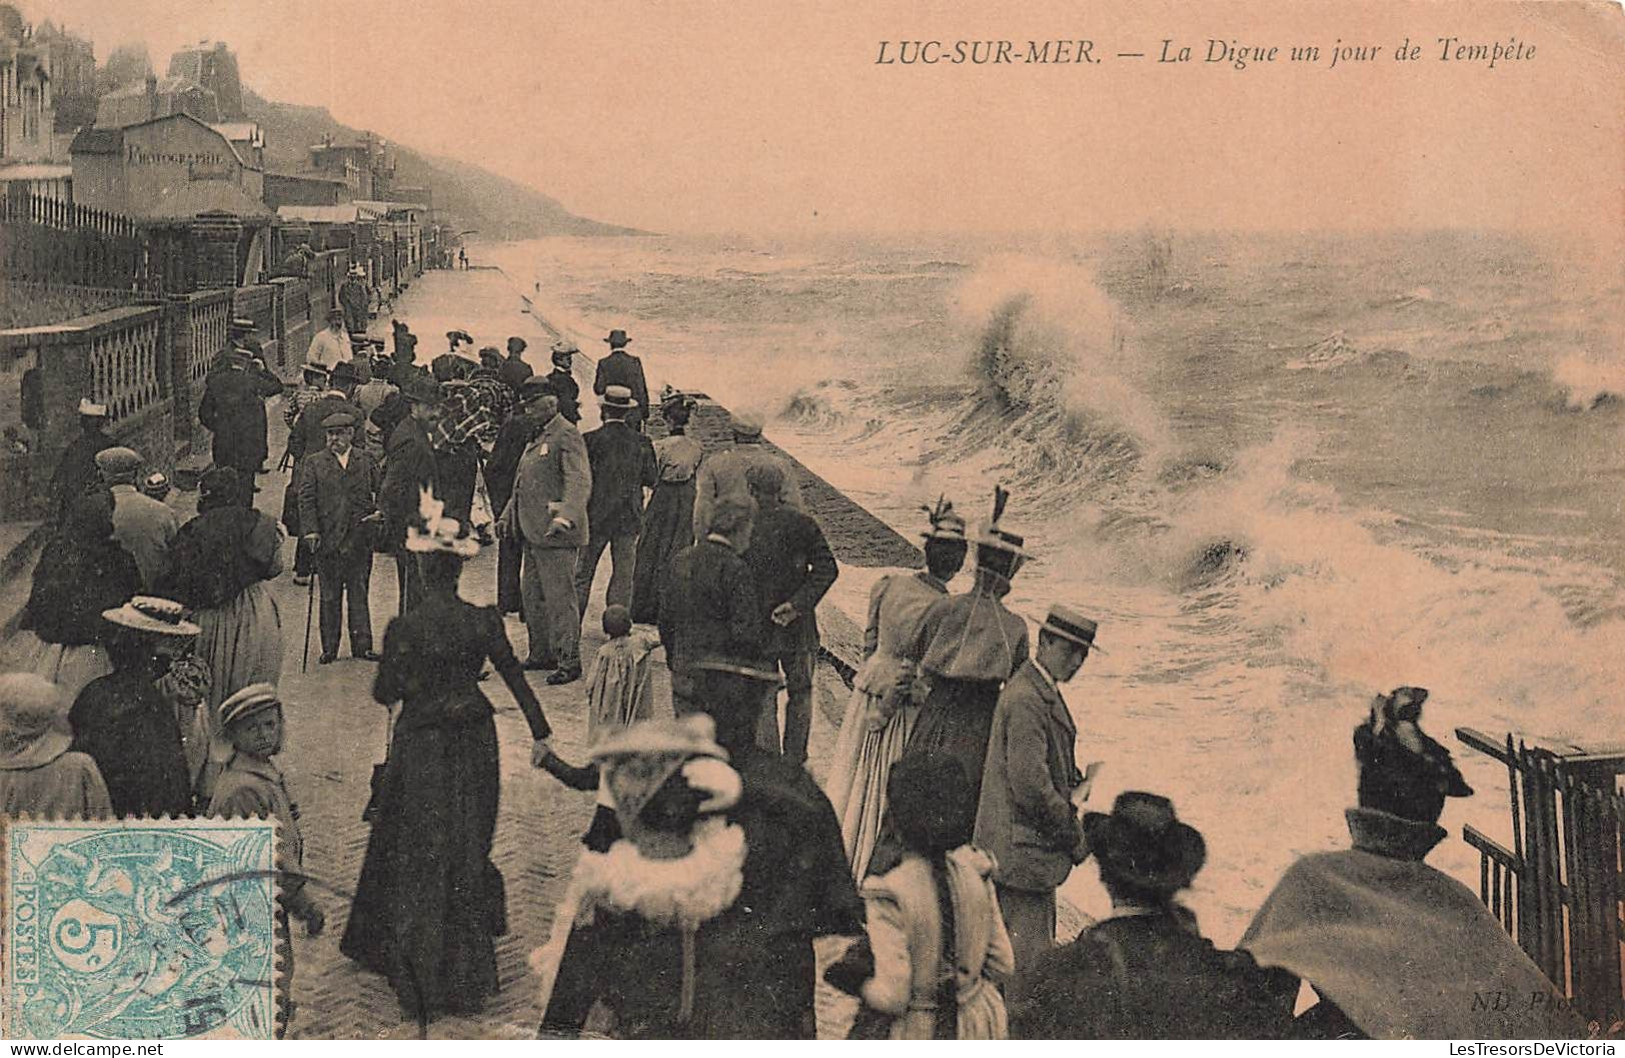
[[775, 116]]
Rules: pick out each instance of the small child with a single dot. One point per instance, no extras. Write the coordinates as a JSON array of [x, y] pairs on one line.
[[252, 786], [620, 692]]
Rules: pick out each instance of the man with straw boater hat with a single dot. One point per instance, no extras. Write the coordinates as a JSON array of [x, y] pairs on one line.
[[76, 470], [1031, 786], [968, 646], [123, 722], [623, 465]]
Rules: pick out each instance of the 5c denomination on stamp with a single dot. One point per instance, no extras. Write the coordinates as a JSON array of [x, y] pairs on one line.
[[140, 929]]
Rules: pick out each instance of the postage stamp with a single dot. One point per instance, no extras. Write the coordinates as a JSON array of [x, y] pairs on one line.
[[140, 929]]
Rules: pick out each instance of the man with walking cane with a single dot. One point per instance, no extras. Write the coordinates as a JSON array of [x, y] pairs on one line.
[[338, 490]]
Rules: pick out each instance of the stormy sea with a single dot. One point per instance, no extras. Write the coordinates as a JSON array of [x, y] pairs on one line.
[[1284, 472]]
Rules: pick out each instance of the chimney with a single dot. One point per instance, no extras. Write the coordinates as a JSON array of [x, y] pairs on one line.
[[152, 95]]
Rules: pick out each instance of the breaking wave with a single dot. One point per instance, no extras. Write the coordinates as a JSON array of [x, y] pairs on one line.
[[1590, 382]]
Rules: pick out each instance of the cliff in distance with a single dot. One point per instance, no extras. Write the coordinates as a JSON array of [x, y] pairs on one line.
[[474, 198]]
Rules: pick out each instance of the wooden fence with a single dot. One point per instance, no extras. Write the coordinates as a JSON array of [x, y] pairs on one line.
[[1557, 890]]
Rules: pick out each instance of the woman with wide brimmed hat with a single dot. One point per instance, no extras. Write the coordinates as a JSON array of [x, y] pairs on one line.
[[429, 900], [1144, 972], [81, 572], [668, 520], [223, 559], [881, 714], [968, 647], [40, 774], [122, 720]]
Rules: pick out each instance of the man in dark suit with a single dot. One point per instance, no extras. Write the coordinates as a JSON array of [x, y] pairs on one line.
[[621, 368], [306, 437], [1027, 817], [623, 465], [76, 470], [514, 370], [562, 382], [793, 567], [709, 608], [409, 468], [548, 512], [337, 509], [233, 410], [501, 467]]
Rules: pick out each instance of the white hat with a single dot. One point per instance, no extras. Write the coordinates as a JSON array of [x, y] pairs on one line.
[[748, 423], [255, 698], [147, 613], [91, 408]]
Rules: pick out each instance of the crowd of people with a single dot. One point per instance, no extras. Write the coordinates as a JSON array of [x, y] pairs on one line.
[[144, 681]]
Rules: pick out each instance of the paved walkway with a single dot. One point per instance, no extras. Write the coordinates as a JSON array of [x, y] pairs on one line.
[[336, 733]]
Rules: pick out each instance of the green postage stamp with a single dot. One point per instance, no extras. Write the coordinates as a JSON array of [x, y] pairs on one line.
[[140, 929]]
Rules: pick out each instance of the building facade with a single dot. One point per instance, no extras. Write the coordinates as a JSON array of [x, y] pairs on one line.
[[150, 168]]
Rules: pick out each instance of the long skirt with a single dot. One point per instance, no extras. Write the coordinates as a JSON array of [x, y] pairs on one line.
[[668, 527], [430, 900], [858, 773], [957, 719], [69, 667], [241, 643]]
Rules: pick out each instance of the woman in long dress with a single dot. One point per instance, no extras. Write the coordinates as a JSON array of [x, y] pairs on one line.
[[430, 901], [221, 562], [881, 714], [82, 572], [969, 646], [668, 520]]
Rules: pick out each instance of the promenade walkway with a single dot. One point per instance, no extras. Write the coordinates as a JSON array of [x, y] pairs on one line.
[[336, 733]]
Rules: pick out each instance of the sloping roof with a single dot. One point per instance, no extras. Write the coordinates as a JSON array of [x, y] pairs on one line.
[[203, 196], [97, 141], [240, 130], [343, 213]]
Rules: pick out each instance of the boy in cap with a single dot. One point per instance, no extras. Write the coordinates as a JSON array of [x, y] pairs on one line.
[[142, 525], [1031, 785], [252, 786]]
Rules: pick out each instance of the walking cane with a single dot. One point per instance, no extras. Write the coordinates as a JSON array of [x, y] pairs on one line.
[[310, 606]]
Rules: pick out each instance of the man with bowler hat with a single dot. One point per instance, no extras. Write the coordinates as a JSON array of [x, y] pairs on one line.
[[1144, 972], [514, 370], [233, 410], [621, 368], [338, 490], [1027, 817], [410, 469]]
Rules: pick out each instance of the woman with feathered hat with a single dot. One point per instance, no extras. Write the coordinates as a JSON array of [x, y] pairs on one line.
[[1393, 948], [882, 712], [968, 646], [430, 901]]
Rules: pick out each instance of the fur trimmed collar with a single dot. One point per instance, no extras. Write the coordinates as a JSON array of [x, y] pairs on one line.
[[683, 892]]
